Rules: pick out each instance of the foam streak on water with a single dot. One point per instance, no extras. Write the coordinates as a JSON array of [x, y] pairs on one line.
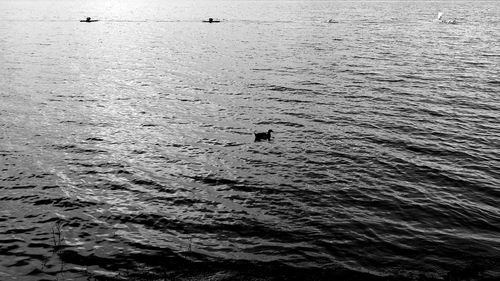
[[131, 138]]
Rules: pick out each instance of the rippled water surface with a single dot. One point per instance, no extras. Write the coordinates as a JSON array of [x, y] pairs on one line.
[[127, 144]]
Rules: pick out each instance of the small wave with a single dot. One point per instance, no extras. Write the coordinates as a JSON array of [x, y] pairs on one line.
[[94, 139], [290, 90], [65, 203], [77, 149], [284, 123]]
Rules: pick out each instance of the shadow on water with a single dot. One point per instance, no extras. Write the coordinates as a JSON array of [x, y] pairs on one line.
[[166, 265], [158, 269]]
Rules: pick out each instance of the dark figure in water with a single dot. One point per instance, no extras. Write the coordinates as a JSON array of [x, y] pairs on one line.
[[210, 20], [88, 19], [263, 136]]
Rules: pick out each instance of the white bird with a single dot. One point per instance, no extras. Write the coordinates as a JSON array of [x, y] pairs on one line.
[[441, 20]]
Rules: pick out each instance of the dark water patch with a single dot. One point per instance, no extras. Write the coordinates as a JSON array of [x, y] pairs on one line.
[[39, 245], [490, 55], [72, 204], [6, 241], [291, 90], [85, 124], [18, 198], [217, 181], [65, 203], [107, 165], [212, 141], [39, 175], [389, 80], [425, 173], [431, 149], [167, 266], [92, 172], [384, 90], [5, 250], [241, 185], [73, 148], [45, 187], [190, 202], [436, 113], [194, 100], [478, 64], [122, 98], [415, 77], [233, 144], [22, 186], [38, 272], [95, 139], [86, 100], [311, 83], [242, 228], [468, 103], [101, 169], [290, 100], [19, 230], [20, 262], [73, 257], [302, 115], [148, 183], [257, 85], [105, 184]]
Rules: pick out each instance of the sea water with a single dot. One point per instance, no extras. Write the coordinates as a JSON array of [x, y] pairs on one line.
[[127, 144]]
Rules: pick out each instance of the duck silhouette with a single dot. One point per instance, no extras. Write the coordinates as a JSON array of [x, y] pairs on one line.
[[263, 136]]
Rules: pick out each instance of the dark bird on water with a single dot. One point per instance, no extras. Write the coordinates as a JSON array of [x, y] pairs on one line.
[[263, 136]]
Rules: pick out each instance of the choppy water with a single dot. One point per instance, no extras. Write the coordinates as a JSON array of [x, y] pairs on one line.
[[130, 139]]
